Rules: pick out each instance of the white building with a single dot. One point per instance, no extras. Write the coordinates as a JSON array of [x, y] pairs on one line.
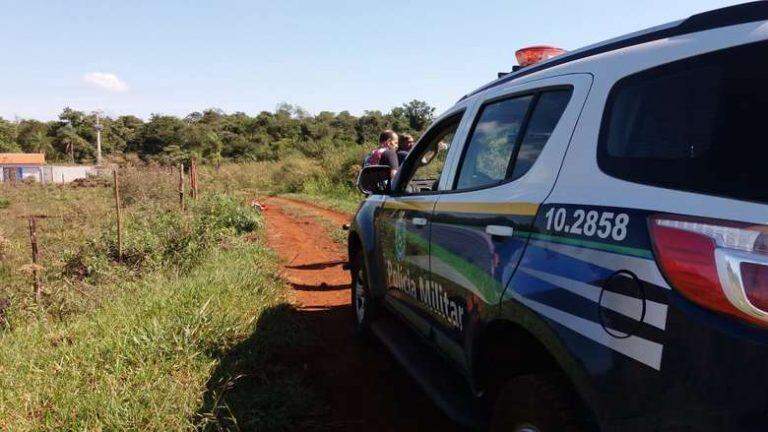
[[23, 166]]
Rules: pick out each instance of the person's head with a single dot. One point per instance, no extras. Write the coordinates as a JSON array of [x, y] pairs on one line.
[[388, 139], [405, 142]]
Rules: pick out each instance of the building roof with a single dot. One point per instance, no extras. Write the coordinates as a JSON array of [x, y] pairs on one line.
[[22, 158]]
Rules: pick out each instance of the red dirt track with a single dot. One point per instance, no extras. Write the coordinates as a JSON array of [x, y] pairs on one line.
[[360, 382]]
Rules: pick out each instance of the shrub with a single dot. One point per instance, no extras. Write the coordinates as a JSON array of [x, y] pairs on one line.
[[4, 203], [148, 184], [293, 172], [154, 238], [224, 212]]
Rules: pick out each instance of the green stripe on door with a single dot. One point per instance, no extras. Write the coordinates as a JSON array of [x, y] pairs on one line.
[[624, 250]]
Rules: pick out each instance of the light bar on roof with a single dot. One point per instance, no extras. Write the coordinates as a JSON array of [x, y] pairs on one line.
[[535, 54]]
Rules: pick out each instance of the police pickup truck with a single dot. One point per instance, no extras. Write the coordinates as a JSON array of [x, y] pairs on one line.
[[582, 244]]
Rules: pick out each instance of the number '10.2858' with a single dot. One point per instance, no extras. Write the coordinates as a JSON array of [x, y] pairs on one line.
[[603, 224]]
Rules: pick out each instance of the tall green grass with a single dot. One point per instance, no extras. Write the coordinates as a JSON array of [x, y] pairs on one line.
[[325, 175], [154, 238], [141, 361]]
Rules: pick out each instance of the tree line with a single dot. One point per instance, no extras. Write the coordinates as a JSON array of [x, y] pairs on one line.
[[211, 136]]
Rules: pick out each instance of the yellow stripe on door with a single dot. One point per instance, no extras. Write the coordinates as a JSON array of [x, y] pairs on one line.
[[425, 206], [502, 208]]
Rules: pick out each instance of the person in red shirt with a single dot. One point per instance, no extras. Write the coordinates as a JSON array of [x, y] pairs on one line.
[[386, 154]]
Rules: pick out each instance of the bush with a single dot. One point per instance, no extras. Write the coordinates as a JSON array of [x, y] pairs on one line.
[[224, 212], [155, 238], [4, 203], [152, 183], [293, 172]]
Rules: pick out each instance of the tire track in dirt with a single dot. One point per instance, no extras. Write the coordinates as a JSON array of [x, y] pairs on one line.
[[361, 383], [332, 215]]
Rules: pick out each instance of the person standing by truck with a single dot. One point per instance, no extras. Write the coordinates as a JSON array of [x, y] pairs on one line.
[[404, 146], [386, 153]]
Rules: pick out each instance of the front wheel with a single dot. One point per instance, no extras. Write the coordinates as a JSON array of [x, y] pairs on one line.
[[363, 304], [538, 403]]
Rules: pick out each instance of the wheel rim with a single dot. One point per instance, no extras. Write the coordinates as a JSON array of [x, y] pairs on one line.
[[526, 428], [359, 297]]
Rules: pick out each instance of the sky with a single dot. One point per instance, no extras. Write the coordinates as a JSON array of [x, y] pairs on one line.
[[176, 57]]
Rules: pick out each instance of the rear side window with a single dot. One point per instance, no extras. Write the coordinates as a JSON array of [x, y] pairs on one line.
[[492, 143], [508, 137], [696, 125], [547, 112]]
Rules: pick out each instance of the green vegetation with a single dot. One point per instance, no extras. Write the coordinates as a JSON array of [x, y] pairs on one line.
[[212, 135], [157, 240], [183, 332], [315, 156], [139, 361]]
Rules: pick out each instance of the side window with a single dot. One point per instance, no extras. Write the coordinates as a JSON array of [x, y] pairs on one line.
[[549, 108], [504, 145], [492, 142], [425, 164]]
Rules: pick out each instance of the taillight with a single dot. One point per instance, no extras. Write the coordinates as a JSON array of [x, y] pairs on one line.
[[718, 264]]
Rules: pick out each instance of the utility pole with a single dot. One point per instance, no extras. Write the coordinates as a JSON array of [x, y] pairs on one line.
[[98, 139]]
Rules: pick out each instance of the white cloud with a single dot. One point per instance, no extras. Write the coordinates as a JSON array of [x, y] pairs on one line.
[[106, 81]]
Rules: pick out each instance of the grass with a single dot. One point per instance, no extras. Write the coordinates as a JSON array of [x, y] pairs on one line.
[[142, 360], [70, 216], [328, 181], [184, 332]]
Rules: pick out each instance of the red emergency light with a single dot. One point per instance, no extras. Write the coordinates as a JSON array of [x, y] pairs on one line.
[[534, 54]]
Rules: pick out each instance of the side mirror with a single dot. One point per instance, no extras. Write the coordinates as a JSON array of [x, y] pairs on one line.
[[375, 180]]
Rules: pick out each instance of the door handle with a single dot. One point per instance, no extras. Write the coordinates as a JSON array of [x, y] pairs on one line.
[[500, 230], [419, 221]]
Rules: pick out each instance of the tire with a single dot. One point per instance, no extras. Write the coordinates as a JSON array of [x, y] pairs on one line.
[[538, 403], [363, 305]]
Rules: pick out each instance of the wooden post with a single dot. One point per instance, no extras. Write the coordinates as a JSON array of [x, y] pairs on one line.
[[197, 184], [181, 186], [35, 256], [119, 210], [192, 178]]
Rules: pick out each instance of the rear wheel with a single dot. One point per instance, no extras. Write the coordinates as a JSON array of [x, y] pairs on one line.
[[363, 304], [537, 403]]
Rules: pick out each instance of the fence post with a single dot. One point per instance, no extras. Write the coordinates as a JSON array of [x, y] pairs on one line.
[[119, 210], [192, 188], [35, 256], [181, 185], [197, 184]]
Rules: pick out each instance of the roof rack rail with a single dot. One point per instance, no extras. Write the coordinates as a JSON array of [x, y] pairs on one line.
[[723, 17]]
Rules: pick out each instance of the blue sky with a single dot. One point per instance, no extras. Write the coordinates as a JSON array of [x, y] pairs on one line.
[[174, 57]]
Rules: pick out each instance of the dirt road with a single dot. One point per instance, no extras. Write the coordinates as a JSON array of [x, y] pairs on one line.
[[363, 386]]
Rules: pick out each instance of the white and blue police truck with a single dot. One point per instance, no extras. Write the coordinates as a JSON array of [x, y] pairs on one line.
[[582, 244]]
